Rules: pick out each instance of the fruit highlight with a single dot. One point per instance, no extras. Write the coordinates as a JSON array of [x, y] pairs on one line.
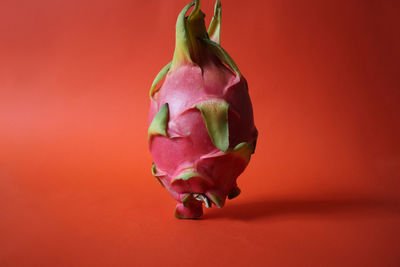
[[201, 129]]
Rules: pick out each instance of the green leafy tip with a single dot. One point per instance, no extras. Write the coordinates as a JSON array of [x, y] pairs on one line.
[[244, 150], [196, 12], [187, 175], [196, 28], [215, 115], [159, 124], [154, 172], [191, 174], [154, 169], [158, 78], [214, 30], [181, 53]]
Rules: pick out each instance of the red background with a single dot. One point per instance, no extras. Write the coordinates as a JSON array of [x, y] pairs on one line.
[[75, 181]]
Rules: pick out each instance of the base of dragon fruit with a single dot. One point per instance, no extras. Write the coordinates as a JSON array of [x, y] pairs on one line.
[[191, 205], [193, 211]]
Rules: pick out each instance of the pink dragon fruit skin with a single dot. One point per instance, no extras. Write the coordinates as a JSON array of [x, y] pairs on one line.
[[201, 128]]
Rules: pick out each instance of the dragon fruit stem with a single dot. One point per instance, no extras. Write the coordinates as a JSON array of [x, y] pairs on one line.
[[189, 208]]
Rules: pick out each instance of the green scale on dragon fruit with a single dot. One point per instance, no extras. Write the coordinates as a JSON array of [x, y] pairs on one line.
[[201, 127]]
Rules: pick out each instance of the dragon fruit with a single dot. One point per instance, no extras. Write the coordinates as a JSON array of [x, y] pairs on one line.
[[201, 129]]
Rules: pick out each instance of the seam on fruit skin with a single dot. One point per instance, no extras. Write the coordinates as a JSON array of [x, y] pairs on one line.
[[214, 154], [222, 55], [236, 81], [230, 83], [192, 106], [233, 111], [209, 182], [174, 132], [191, 173], [182, 166], [230, 152]]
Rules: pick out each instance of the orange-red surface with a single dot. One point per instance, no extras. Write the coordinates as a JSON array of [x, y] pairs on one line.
[[75, 181]]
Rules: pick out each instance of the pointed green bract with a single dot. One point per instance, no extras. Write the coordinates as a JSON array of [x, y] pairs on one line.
[[190, 173], [244, 150], [181, 53], [187, 175], [159, 124], [196, 10], [153, 169], [159, 77], [222, 55], [196, 28], [154, 172], [215, 199], [215, 115], [214, 30]]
